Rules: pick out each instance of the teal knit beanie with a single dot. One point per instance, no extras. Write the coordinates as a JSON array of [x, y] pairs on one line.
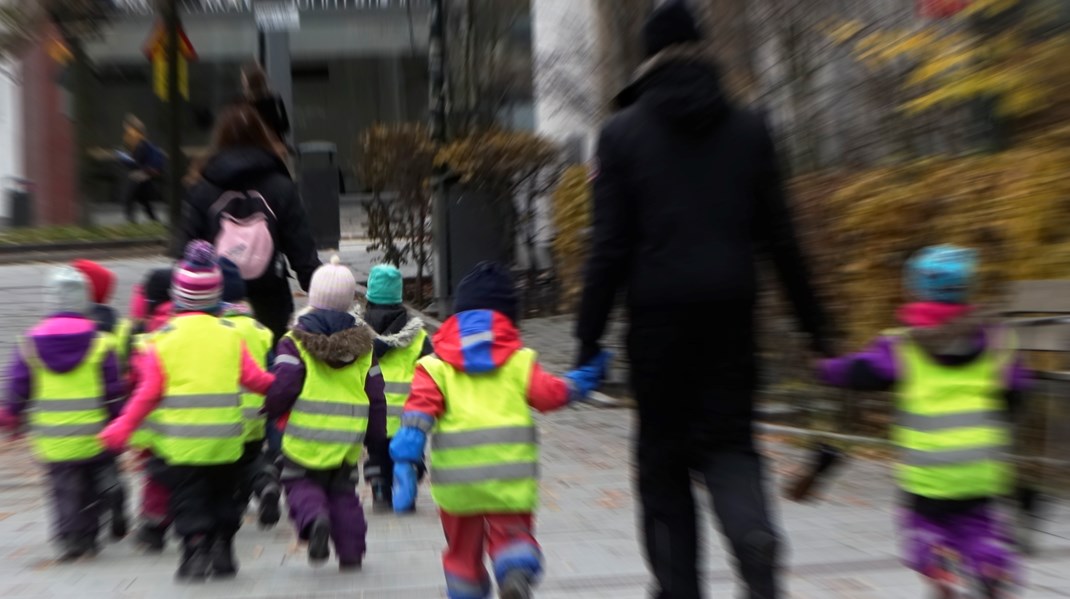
[[384, 285]]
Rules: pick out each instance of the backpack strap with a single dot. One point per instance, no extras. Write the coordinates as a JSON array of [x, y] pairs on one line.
[[224, 200]]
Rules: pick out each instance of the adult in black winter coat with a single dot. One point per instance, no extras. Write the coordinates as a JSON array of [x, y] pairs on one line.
[[687, 198], [244, 158]]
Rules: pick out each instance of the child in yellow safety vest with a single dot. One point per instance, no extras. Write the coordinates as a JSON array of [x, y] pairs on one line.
[[150, 309], [401, 341], [261, 477], [474, 396], [329, 385], [65, 382], [957, 379], [190, 378], [101, 285]]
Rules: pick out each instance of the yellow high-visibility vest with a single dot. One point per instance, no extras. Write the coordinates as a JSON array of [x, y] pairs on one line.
[[327, 424], [67, 408], [484, 448]]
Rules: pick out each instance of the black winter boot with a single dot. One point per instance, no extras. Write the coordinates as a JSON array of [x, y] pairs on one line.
[[269, 507], [196, 562], [70, 549], [319, 536], [152, 537], [517, 585], [224, 564]]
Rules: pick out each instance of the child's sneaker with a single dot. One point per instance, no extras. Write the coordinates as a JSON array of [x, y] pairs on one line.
[[516, 585], [319, 536]]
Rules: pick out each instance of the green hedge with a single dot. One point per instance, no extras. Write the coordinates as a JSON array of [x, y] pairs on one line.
[[46, 235]]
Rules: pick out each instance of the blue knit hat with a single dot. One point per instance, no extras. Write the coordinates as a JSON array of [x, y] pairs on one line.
[[385, 285], [488, 287], [942, 273]]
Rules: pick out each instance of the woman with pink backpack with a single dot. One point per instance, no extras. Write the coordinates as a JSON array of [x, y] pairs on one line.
[[243, 200]]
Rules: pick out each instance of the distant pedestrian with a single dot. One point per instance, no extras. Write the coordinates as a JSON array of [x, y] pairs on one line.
[[64, 381], [146, 166], [242, 193], [330, 386], [958, 380], [687, 197], [268, 104], [190, 379]]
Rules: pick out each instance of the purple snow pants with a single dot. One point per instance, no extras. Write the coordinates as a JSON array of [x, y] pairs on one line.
[[331, 494], [979, 536]]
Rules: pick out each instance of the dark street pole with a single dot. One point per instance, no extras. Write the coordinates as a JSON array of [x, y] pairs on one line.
[[439, 198], [176, 164]]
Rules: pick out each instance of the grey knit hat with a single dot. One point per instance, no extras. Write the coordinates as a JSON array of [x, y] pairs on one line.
[[67, 290]]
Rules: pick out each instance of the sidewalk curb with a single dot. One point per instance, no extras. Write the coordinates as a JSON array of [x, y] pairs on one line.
[[54, 252]]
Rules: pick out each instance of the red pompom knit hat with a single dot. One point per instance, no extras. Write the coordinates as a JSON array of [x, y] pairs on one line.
[[101, 280]]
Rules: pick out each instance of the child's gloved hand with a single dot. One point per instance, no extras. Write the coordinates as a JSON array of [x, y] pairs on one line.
[[589, 377], [408, 445], [115, 436], [404, 490]]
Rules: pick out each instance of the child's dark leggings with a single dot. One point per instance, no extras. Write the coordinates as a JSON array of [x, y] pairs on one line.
[[330, 494], [205, 499]]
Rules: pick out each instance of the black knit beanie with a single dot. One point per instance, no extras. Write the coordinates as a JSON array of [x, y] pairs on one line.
[[670, 24], [233, 283], [157, 286], [488, 287]]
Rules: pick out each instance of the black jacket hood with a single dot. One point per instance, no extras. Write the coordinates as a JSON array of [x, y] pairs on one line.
[[680, 86], [236, 168]]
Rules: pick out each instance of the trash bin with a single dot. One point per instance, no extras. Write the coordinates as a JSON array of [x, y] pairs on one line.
[[19, 203], [321, 191]]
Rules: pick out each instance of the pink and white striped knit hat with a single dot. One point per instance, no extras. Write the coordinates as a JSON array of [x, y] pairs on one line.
[[197, 281]]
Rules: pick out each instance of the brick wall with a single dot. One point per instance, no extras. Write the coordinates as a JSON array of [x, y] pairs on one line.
[[48, 140]]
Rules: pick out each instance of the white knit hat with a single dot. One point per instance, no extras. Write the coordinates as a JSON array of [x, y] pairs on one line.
[[67, 290], [333, 287]]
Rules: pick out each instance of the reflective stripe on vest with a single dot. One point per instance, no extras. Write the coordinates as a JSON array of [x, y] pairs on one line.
[[199, 421], [484, 448], [950, 427], [327, 424], [258, 340], [399, 368], [67, 409], [143, 436]]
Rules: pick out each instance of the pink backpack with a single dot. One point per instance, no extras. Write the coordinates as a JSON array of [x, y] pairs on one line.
[[247, 242]]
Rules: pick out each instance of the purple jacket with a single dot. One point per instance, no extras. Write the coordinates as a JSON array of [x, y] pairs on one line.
[[337, 339], [876, 368], [61, 342]]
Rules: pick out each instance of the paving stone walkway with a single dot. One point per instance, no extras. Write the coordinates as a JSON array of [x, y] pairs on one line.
[[843, 548]]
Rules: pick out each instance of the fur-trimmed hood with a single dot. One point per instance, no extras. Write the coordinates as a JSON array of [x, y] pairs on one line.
[[336, 338], [405, 337]]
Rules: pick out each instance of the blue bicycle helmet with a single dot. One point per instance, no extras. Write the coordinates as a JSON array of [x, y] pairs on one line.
[[942, 273]]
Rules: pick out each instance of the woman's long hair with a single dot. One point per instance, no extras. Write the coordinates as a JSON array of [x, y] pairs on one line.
[[238, 126], [256, 82]]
